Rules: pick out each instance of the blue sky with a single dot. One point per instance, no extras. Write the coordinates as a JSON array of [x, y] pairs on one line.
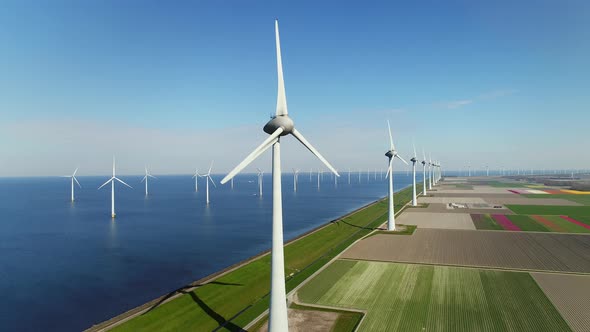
[[176, 84]]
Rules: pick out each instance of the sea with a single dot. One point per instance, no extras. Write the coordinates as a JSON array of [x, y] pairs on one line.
[[65, 266]]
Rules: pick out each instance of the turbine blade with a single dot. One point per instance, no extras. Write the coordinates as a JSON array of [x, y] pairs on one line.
[[423, 155], [77, 181], [151, 176], [210, 166], [253, 155], [143, 178], [75, 171], [104, 184], [212, 182], [123, 182], [281, 96], [414, 145], [308, 145], [391, 147], [402, 159]]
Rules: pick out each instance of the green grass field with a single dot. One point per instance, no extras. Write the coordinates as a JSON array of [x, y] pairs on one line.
[[582, 199], [406, 297], [550, 210], [242, 295], [527, 224]]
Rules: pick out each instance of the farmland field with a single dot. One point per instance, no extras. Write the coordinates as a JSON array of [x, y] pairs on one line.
[[406, 297], [550, 210], [505, 250], [582, 199], [484, 221]]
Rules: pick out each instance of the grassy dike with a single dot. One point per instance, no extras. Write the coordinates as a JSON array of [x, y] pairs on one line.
[[232, 300]]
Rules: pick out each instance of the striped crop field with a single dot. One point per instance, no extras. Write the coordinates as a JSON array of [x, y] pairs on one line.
[[407, 297], [554, 210], [532, 223], [484, 221]]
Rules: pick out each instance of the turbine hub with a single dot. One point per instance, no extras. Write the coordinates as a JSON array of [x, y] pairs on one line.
[[280, 121], [390, 153], [413, 160]]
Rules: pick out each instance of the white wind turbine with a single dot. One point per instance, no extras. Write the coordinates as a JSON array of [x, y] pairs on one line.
[[145, 178], [260, 175], [196, 176], [207, 179], [430, 171], [280, 125], [295, 178], [424, 162], [349, 176], [391, 154], [414, 160], [112, 181], [73, 178]]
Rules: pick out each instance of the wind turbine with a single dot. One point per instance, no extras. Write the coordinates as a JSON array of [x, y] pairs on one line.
[[349, 176], [145, 178], [73, 178], [414, 160], [391, 154], [424, 172], [260, 175], [207, 179], [112, 181], [196, 176], [295, 178], [280, 125], [319, 176], [429, 171]]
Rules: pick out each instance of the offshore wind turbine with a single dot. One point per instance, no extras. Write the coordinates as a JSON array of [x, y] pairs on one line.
[[196, 176], [295, 178], [112, 181], [73, 179], [280, 125], [207, 179], [145, 178], [260, 175], [348, 175], [414, 160], [319, 176], [391, 154]]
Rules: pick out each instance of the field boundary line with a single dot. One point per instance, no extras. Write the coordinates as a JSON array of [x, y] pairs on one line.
[[493, 268]]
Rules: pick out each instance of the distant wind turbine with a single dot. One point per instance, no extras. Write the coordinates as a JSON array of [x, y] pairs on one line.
[[424, 162], [207, 179], [280, 125], [145, 178], [72, 179], [196, 176], [260, 178], [112, 182], [295, 178], [391, 154], [414, 160]]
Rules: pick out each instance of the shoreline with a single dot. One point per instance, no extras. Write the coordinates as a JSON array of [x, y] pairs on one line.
[[129, 314]]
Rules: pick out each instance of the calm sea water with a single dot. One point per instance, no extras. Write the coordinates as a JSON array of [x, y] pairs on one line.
[[65, 266]]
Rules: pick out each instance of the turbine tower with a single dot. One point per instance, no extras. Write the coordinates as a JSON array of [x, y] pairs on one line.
[[424, 162], [429, 171], [207, 179], [349, 176], [112, 181], [280, 125], [260, 175], [391, 154], [73, 178], [196, 176], [145, 178], [414, 160], [295, 178]]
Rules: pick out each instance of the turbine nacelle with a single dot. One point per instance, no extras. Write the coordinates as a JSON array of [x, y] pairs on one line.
[[414, 160], [279, 121], [390, 153]]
